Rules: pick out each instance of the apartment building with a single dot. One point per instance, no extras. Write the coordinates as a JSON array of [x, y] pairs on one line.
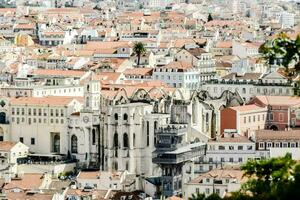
[[178, 74], [217, 181], [41, 122], [244, 118]]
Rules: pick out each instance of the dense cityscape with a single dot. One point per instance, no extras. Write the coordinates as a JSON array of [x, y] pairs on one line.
[[149, 99]]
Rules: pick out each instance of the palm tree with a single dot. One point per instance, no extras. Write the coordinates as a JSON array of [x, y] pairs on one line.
[[139, 49]]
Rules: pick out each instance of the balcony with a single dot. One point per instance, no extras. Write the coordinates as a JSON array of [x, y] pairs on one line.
[[180, 155]]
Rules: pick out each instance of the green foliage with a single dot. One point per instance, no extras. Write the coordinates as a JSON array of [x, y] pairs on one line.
[[199, 196], [283, 51], [139, 49], [270, 179]]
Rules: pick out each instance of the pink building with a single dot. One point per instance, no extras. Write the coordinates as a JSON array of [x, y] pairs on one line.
[[283, 111], [243, 118]]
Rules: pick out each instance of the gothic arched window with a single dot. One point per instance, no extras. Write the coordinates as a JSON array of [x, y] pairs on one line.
[[93, 136], [125, 140], [74, 144], [116, 142]]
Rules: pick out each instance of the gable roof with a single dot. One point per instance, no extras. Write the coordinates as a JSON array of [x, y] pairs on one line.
[[27, 181], [49, 100], [6, 145]]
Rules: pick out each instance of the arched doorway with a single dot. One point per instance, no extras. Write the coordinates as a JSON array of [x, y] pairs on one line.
[[274, 128]]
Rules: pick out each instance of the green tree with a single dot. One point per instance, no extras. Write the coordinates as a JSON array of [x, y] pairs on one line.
[[197, 196], [268, 178], [283, 51], [139, 49], [201, 196], [209, 18]]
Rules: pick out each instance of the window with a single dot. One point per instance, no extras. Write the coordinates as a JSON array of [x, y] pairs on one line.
[[245, 120], [13, 111], [240, 159], [271, 117], [249, 119], [218, 191], [125, 117], [284, 145], [34, 111], [210, 159], [21, 139], [56, 144], [29, 111], [230, 159], [292, 145], [281, 117], [269, 144], [222, 159], [221, 148], [45, 112], [207, 180], [277, 144], [207, 190], [240, 147], [51, 112], [249, 147], [133, 140], [116, 141], [32, 141], [93, 136], [125, 140], [261, 145], [231, 147], [116, 116], [74, 144], [148, 132]]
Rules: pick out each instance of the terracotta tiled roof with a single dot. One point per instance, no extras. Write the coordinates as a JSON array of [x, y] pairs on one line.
[[28, 196], [89, 175], [279, 100], [179, 65], [97, 194], [247, 108], [6, 145], [224, 44], [28, 181], [55, 72], [246, 76], [236, 139], [49, 100], [277, 135], [197, 51], [139, 71], [219, 174]]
